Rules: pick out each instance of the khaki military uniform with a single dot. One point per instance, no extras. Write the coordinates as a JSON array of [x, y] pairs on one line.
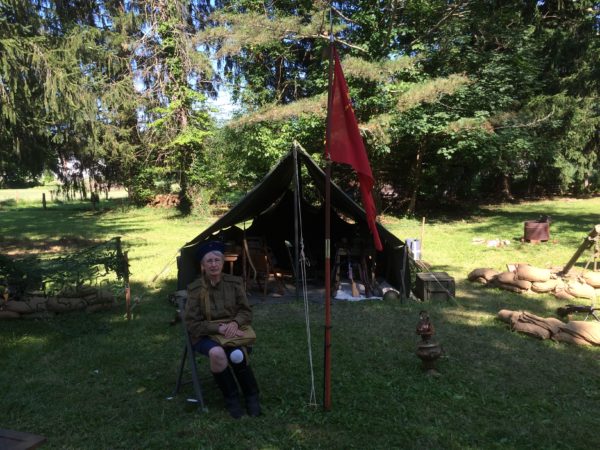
[[227, 301]]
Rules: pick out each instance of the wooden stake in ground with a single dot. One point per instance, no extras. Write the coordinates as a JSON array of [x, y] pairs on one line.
[[127, 288], [422, 234]]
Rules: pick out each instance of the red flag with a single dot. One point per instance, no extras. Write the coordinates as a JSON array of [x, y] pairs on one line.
[[346, 146]]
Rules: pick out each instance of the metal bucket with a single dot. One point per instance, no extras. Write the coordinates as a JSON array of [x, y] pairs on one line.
[[536, 231], [414, 245]]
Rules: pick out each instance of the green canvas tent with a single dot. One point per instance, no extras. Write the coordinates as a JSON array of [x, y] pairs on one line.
[[278, 215]]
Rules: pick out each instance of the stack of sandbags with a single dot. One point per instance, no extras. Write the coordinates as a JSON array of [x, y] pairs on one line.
[[580, 332], [510, 281], [526, 277], [31, 307], [522, 279], [37, 306], [575, 332], [4, 314], [530, 324]]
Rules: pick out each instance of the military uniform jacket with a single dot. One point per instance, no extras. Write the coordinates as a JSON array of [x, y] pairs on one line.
[[227, 301]]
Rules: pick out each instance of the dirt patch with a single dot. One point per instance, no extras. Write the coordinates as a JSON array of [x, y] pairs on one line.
[[25, 247]]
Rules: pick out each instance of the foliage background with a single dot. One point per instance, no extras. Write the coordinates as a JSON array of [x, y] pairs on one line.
[[458, 101]]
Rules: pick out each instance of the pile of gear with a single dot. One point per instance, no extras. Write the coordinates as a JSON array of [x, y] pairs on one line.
[[525, 278]]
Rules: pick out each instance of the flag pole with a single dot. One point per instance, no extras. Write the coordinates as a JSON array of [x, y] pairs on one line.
[[327, 352]]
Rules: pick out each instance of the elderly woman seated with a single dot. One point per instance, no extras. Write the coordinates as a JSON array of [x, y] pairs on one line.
[[217, 315]]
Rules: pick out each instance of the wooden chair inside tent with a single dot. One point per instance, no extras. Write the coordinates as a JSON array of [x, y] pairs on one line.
[[259, 258]]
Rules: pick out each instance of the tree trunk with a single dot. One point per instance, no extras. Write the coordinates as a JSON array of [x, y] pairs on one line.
[[417, 169], [505, 188]]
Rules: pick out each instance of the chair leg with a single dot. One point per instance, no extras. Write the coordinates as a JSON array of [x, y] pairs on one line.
[[188, 356], [180, 373], [196, 380]]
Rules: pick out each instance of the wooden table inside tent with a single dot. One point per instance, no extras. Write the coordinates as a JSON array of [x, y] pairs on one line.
[[231, 258]]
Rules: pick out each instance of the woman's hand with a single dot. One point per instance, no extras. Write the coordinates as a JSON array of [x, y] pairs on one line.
[[230, 329]]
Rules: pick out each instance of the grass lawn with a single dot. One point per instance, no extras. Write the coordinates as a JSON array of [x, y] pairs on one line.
[[98, 381]]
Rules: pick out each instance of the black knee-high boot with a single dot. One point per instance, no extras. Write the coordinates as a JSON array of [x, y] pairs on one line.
[[245, 377], [228, 386]]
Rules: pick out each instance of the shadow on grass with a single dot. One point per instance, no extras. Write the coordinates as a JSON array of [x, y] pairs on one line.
[[76, 218], [564, 216], [497, 388]]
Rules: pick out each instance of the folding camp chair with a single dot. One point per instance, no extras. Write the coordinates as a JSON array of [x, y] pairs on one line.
[[189, 356], [260, 261]]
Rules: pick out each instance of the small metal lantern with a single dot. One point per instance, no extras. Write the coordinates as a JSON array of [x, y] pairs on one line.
[[428, 350]]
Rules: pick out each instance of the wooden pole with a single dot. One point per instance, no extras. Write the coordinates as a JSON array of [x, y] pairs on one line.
[[122, 257], [127, 288], [422, 236], [327, 352], [297, 206], [44, 200]]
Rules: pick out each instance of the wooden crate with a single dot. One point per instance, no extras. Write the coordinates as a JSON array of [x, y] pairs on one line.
[[434, 286]]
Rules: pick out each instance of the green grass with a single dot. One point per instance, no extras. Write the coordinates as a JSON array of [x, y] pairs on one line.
[[97, 381], [31, 195]]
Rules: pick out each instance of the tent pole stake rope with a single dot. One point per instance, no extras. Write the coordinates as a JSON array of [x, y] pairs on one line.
[[300, 237]]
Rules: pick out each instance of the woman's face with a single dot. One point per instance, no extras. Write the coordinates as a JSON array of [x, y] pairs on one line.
[[212, 263]]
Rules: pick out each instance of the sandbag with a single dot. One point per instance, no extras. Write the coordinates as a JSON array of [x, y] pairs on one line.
[[100, 298], [506, 315], [484, 272], [9, 315], [562, 294], [550, 324], [76, 292], [105, 296], [560, 284], [63, 304], [531, 273], [568, 338], [18, 307], [574, 332], [588, 330], [592, 278], [505, 277], [531, 329], [580, 290], [544, 286], [522, 284], [98, 307], [27, 306]]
